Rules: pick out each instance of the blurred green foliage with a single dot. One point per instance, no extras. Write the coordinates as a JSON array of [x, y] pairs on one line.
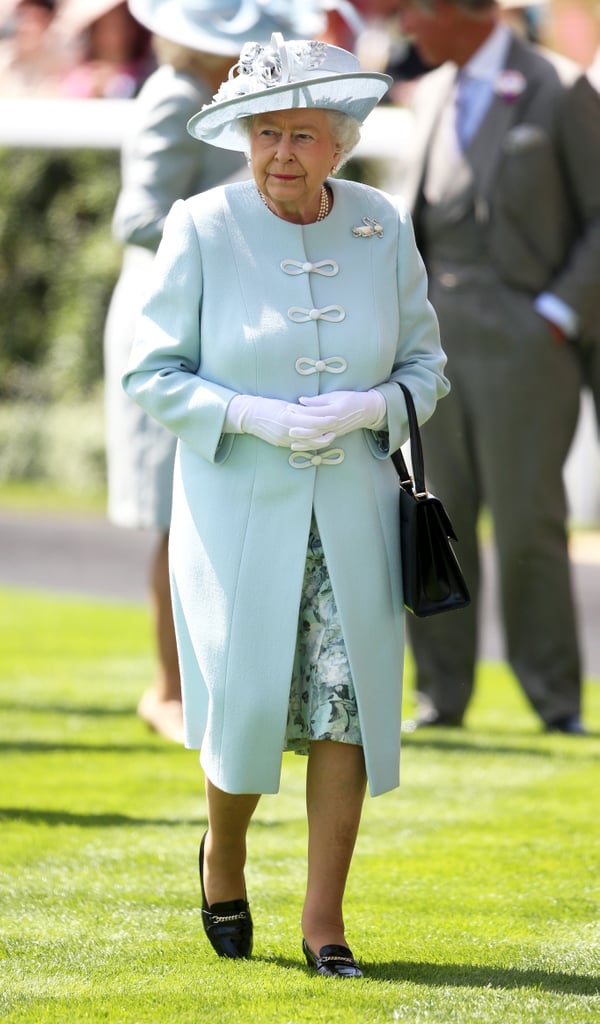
[[58, 266]]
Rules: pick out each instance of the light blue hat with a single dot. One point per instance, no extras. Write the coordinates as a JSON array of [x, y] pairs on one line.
[[282, 76], [223, 26]]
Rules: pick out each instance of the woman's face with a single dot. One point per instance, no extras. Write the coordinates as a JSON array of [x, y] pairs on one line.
[[292, 152]]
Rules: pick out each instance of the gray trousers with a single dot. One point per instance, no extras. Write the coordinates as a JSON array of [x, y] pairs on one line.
[[499, 441]]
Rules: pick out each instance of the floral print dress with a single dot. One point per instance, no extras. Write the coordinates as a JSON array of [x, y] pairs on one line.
[[322, 702]]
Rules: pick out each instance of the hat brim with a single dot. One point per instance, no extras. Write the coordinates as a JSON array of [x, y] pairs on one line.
[[355, 94], [205, 34]]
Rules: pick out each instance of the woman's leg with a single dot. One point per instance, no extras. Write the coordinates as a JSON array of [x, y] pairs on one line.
[[335, 789], [168, 685], [229, 815], [160, 706]]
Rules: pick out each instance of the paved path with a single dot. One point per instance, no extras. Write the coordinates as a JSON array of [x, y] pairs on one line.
[[85, 555]]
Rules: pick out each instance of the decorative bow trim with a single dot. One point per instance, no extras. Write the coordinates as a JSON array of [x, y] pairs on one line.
[[300, 315], [333, 364], [327, 268], [304, 460]]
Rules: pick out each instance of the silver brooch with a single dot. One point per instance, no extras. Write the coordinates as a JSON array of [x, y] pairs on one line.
[[368, 228]]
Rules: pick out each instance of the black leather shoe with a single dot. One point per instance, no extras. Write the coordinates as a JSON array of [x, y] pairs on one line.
[[570, 724], [335, 961], [228, 925]]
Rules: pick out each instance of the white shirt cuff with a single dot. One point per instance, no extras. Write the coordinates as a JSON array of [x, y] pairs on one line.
[[557, 311]]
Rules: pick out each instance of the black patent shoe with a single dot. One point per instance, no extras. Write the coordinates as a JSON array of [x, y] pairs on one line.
[[335, 961], [228, 925]]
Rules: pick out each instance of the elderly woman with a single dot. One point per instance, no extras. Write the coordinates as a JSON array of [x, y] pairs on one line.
[[282, 313]]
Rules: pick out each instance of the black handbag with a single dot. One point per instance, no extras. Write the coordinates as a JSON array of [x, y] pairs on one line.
[[432, 578]]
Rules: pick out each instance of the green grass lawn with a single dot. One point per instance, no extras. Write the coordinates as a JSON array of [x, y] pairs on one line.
[[473, 895]]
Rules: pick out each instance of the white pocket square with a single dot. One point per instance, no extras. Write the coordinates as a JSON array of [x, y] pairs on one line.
[[524, 136]]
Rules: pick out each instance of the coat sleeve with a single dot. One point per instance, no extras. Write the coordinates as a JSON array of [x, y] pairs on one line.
[[160, 160], [577, 282], [162, 375], [420, 358]]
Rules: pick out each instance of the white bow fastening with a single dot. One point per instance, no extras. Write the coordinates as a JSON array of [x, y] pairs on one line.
[[333, 364], [327, 268], [304, 460], [300, 315]]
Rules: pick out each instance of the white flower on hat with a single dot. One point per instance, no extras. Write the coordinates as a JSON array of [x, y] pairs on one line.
[[510, 84], [265, 65], [262, 67]]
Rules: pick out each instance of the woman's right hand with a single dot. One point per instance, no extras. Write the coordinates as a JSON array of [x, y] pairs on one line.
[[272, 420]]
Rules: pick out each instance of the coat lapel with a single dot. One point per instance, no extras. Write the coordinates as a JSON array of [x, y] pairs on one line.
[[434, 93], [485, 152]]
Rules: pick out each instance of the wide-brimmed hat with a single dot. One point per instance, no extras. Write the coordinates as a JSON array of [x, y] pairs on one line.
[[282, 76], [224, 26]]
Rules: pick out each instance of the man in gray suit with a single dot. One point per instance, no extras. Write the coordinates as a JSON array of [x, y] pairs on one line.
[[505, 193]]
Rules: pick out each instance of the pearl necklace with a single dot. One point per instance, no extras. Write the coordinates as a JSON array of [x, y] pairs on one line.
[[323, 204]]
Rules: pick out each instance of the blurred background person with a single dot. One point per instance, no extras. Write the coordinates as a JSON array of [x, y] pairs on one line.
[[32, 61], [594, 66], [505, 193], [343, 23], [111, 51], [572, 27], [369, 28], [382, 46], [161, 162], [525, 17]]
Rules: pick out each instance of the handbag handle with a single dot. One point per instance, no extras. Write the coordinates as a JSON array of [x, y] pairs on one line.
[[416, 452]]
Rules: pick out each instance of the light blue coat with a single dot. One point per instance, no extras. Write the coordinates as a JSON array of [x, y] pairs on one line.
[[244, 302]]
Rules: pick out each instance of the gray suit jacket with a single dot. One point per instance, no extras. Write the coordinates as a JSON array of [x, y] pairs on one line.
[[534, 178], [161, 162]]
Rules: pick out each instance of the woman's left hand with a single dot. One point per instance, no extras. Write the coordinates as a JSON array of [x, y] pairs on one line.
[[348, 410]]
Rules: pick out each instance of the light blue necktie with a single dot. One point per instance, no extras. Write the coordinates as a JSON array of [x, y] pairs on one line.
[[471, 104]]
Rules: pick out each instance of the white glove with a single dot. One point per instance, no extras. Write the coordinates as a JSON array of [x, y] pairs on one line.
[[282, 424], [343, 411]]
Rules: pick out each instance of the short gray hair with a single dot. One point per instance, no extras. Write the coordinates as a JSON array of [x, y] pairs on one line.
[[345, 132]]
